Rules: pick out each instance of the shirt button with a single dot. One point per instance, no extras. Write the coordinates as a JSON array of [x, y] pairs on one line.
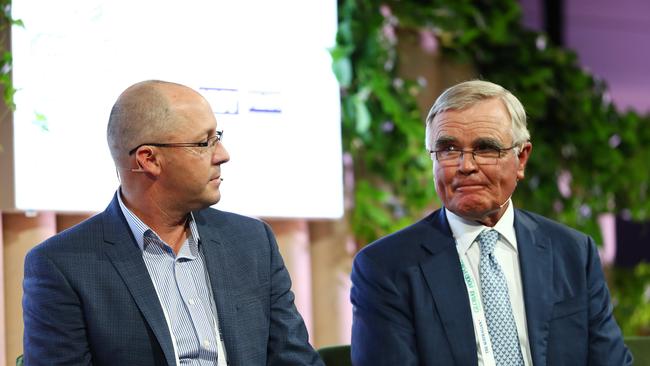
[[191, 301], [206, 343]]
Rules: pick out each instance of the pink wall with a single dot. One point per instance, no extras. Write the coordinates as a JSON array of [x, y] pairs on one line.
[[612, 39]]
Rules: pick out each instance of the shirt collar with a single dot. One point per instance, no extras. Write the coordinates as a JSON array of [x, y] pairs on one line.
[[139, 228], [465, 231]]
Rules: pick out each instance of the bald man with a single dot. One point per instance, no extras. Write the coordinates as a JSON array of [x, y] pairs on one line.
[[159, 278]]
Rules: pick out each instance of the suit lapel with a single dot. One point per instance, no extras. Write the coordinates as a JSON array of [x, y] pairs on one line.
[[125, 255], [217, 261], [536, 263], [443, 276]]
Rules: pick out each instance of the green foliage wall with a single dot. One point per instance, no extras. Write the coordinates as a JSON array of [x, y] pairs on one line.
[[588, 158], [6, 21]]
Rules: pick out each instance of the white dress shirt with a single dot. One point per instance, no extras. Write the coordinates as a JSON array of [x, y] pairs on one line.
[[182, 285], [465, 233]]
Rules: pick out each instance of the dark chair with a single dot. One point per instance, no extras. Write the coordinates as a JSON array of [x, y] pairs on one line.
[[336, 355], [640, 348]]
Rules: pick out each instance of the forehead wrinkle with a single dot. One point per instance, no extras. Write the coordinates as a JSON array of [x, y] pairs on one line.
[[452, 130]]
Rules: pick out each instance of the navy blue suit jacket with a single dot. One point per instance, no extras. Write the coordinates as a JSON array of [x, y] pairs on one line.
[[411, 305], [88, 298]]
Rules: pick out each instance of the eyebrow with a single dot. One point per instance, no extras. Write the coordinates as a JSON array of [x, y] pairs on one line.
[[479, 142], [487, 142], [445, 140]]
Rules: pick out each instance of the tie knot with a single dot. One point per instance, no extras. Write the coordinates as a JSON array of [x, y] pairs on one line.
[[487, 241]]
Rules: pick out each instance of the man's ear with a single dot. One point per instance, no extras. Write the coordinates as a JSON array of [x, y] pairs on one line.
[[522, 159], [147, 161]]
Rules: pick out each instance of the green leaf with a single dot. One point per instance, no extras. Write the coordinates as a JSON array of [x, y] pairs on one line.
[[362, 116], [343, 71]]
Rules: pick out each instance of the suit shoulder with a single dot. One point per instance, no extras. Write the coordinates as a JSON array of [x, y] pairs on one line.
[[91, 225], [551, 227], [229, 223], [567, 242], [405, 243], [212, 215], [74, 237]]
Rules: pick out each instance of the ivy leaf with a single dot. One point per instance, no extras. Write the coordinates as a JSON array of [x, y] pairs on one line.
[[342, 68], [362, 115], [468, 36]]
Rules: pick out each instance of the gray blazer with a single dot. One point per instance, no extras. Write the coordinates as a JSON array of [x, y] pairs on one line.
[[88, 298]]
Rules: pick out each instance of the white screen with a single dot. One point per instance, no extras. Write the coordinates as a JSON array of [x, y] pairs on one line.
[[263, 65]]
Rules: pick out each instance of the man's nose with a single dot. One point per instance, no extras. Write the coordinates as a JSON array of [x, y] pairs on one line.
[[466, 161], [220, 154]]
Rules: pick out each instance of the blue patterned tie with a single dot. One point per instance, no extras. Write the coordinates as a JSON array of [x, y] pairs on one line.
[[498, 312]]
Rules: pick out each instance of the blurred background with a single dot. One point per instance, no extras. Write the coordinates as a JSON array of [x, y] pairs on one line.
[[578, 66]]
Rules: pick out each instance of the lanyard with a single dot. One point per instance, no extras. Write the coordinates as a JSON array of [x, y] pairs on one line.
[[478, 316]]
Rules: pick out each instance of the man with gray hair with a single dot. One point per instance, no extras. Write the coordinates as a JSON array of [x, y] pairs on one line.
[[478, 281], [159, 278]]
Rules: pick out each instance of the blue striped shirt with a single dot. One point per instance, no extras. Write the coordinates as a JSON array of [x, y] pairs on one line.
[[184, 291]]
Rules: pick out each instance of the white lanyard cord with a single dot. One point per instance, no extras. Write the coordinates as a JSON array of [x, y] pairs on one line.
[[478, 316]]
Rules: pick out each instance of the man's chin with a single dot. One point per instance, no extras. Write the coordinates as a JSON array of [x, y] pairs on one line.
[[477, 213], [208, 201], [213, 201]]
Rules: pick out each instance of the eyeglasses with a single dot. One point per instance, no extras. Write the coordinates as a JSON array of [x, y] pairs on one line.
[[449, 156], [210, 143]]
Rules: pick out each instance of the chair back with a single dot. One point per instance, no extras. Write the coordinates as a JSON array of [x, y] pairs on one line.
[[338, 355], [640, 348]]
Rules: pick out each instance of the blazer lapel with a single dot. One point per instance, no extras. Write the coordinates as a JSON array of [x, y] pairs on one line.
[[536, 263], [444, 278], [125, 255], [217, 256]]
